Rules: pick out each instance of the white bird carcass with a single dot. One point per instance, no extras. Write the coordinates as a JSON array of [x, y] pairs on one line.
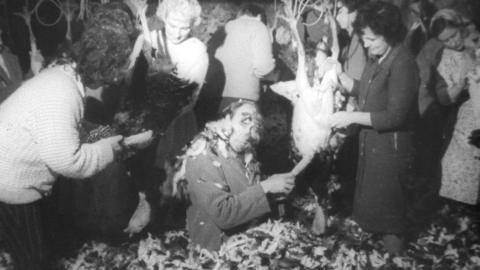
[[312, 105]]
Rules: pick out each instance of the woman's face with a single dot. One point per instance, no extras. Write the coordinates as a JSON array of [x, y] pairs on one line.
[[177, 27], [375, 44], [344, 17], [451, 37]]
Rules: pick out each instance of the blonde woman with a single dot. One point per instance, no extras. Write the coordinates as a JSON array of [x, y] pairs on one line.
[[189, 58], [172, 51]]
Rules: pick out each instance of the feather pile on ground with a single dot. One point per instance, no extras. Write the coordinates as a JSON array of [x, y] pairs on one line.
[[451, 242]]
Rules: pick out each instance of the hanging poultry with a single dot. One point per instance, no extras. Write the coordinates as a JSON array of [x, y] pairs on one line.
[[312, 103]]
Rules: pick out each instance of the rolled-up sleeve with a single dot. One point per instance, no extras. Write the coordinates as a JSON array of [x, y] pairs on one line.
[[226, 210], [401, 96]]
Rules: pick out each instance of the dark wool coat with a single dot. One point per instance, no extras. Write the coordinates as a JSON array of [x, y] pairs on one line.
[[221, 199], [389, 92]]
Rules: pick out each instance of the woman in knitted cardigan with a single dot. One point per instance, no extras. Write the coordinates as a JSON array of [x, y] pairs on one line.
[[39, 127]]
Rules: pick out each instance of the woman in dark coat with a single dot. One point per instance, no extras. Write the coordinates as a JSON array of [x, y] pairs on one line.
[[387, 94]]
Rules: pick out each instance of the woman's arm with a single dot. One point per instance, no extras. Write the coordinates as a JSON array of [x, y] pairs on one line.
[[57, 136], [344, 119]]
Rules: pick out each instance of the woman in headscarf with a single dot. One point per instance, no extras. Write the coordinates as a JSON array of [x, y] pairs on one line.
[[443, 64]]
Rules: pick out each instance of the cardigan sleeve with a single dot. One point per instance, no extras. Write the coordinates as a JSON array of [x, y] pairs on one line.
[[57, 136], [402, 89], [227, 210]]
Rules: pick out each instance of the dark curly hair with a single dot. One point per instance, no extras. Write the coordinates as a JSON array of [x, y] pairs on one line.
[[383, 19], [102, 52]]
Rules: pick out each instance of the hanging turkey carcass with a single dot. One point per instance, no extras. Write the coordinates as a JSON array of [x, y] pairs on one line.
[[312, 104]]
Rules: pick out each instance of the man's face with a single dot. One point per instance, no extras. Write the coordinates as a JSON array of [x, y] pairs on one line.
[[177, 27], [245, 124]]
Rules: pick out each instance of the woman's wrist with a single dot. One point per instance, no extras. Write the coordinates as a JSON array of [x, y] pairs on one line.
[[265, 186]]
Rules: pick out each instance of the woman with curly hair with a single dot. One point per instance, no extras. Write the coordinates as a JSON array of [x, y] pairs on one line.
[[39, 127], [387, 94]]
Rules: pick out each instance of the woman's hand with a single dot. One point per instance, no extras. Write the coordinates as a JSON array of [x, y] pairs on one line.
[[341, 119], [139, 141], [116, 143]]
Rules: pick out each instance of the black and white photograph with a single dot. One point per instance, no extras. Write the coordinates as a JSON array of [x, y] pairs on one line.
[[239, 134]]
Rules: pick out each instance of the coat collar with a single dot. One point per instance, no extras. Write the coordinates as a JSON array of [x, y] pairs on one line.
[[386, 62]]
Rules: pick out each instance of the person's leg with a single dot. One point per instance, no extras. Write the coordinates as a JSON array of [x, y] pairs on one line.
[[20, 228]]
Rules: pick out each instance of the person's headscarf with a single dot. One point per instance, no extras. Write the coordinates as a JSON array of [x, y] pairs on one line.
[[449, 15]]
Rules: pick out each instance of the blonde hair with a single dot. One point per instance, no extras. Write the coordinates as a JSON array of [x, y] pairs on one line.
[[190, 9]]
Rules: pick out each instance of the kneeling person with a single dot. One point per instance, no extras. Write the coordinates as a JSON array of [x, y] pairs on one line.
[[223, 178]]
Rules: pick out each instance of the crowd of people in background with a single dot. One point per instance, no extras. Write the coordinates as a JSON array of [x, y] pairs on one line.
[[410, 70]]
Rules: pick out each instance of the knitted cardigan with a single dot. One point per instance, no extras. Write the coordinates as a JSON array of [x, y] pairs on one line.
[[39, 131]]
